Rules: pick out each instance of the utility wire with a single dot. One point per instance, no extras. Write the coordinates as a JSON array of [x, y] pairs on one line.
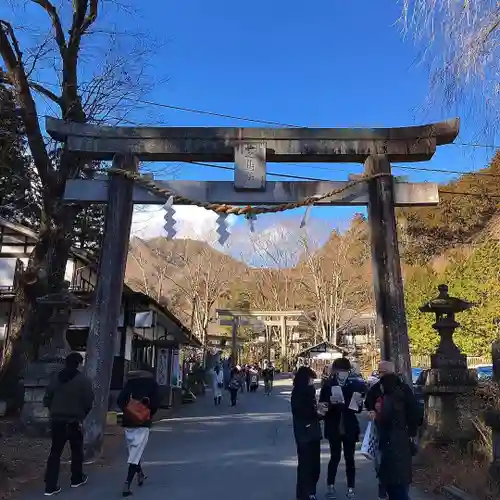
[[214, 113], [289, 176], [446, 171], [459, 193], [407, 167]]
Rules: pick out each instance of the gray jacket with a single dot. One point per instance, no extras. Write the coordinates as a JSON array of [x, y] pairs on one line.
[[69, 396]]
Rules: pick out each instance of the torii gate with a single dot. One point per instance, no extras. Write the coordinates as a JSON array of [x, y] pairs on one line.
[[250, 148], [264, 318]]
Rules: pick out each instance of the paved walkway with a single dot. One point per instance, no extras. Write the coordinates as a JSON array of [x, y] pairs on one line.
[[221, 453]]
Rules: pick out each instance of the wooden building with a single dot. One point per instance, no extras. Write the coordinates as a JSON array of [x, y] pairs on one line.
[[320, 355], [358, 332], [147, 335]]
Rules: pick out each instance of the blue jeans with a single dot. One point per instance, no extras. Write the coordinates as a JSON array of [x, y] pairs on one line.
[[398, 491]]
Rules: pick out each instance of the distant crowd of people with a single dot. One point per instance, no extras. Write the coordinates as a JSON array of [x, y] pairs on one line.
[[240, 378], [392, 408]]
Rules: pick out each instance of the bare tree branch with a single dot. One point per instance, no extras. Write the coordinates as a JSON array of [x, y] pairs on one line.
[[46, 92], [460, 42], [56, 24], [12, 57]]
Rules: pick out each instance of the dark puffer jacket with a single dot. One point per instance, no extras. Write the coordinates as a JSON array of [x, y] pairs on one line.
[[69, 396], [396, 423], [306, 424], [141, 386]]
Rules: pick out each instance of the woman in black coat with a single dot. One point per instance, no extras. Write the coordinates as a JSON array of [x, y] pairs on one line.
[[394, 408], [141, 386], [307, 432]]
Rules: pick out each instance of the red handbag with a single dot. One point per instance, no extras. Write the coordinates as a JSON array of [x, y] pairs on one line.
[[137, 411]]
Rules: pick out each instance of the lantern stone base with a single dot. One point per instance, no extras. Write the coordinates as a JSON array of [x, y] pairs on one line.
[[445, 422], [34, 416], [492, 420]]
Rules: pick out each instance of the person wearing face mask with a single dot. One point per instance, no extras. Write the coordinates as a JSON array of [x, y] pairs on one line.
[[307, 432], [343, 395], [394, 409]]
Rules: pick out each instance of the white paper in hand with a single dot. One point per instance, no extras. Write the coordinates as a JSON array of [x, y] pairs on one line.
[[355, 401], [337, 396]]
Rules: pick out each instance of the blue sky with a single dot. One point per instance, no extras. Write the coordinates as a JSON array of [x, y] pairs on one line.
[[324, 63]]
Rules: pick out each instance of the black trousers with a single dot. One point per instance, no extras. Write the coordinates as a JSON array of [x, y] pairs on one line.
[[349, 447], [382, 490], [62, 432], [308, 468], [398, 491], [234, 396]]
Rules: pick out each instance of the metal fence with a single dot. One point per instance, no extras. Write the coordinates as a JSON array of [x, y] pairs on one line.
[[472, 361], [425, 362]]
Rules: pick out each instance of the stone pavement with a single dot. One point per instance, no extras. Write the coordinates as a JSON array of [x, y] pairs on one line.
[[221, 453]]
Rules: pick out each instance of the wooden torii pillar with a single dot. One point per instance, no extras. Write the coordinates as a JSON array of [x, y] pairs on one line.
[[251, 148]]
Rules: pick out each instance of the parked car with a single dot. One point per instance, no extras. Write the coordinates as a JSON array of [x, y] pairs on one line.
[[418, 385], [484, 372], [415, 373], [373, 378]]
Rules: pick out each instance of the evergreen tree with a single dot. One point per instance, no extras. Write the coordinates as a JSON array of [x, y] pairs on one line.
[[88, 229], [19, 200], [19, 186]]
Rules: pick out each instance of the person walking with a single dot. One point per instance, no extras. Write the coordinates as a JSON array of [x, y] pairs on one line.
[[254, 379], [268, 377], [307, 433], [226, 369], [394, 409], [217, 384], [139, 400], [234, 385], [248, 372], [241, 378], [343, 396], [69, 398]]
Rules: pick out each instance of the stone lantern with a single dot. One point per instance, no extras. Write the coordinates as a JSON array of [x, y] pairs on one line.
[[492, 416], [449, 378], [50, 357]]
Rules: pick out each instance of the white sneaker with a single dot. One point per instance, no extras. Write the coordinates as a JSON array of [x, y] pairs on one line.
[[52, 491], [350, 493]]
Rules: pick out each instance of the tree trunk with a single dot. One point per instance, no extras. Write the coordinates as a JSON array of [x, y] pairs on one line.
[[44, 274]]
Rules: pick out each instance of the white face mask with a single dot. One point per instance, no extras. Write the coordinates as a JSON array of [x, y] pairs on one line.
[[342, 376]]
